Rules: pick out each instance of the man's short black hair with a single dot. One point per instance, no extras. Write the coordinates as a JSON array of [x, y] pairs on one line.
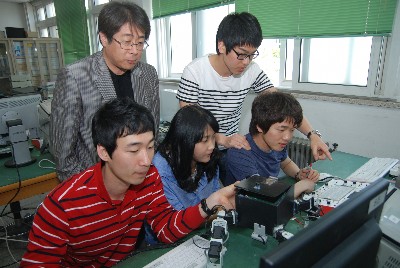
[[115, 14], [239, 29], [274, 107], [118, 118]]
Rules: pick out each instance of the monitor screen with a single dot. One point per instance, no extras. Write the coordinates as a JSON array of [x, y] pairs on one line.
[[24, 107], [13, 32], [348, 235]]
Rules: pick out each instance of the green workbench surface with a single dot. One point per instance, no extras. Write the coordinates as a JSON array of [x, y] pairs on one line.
[[10, 175], [242, 250]]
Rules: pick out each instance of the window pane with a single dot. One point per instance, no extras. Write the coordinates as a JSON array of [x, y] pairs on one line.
[[99, 45], [181, 42], [151, 51], [40, 14], [44, 32], [53, 31], [207, 28], [336, 60], [289, 59], [269, 59], [50, 11], [100, 2]]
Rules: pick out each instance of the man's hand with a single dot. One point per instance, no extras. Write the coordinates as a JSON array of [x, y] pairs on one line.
[[309, 174], [304, 186], [223, 197], [319, 149], [235, 141]]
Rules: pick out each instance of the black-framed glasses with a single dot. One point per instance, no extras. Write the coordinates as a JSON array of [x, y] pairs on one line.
[[127, 45], [245, 56]]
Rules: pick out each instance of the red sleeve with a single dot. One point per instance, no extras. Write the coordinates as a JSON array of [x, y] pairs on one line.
[[170, 225]]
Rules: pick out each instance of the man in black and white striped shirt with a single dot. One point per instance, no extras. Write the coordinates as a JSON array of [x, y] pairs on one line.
[[220, 82]]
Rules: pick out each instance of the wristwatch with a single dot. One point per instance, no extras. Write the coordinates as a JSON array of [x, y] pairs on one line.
[[314, 131], [205, 208]]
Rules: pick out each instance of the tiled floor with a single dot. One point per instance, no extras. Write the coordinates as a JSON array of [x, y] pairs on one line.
[[15, 246]]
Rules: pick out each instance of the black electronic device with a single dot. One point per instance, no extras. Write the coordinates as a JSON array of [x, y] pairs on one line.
[[13, 32], [348, 236], [265, 201], [269, 188]]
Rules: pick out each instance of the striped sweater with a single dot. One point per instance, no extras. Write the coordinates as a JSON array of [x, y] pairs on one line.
[[222, 96], [79, 225]]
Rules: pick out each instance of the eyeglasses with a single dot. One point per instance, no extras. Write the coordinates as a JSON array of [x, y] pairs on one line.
[[127, 45], [245, 56]]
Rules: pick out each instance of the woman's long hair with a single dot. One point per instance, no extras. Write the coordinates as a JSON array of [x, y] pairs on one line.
[[187, 128]]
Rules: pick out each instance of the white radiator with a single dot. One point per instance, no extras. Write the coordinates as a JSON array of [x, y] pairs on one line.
[[299, 151]]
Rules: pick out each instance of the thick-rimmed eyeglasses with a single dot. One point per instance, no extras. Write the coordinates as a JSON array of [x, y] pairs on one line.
[[127, 45], [245, 56]]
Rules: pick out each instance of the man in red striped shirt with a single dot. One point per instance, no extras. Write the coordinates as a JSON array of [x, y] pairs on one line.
[[93, 219]]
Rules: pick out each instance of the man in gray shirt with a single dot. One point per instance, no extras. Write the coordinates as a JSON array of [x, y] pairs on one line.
[[114, 72]]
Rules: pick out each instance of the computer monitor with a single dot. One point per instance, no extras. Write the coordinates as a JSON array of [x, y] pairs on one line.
[[18, 114], [348, 236], [24, 107], [13, 32]]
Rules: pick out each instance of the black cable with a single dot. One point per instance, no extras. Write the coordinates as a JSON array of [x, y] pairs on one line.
[[264, 241], [9, 202], [22, 209], [8, 265], [26, 221], [156, 246], [207, 232], [194, 242], [389, 194], [19, 183], [216, 207]]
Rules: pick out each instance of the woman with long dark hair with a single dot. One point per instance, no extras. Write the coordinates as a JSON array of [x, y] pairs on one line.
[[187, 159]]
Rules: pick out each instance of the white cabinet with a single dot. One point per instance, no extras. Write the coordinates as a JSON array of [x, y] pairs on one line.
[[5, 60], [5, 68], [40, 58]]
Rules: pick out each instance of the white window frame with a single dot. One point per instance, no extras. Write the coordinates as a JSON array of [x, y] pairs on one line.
[[283, 83], [92, 13], [373, 88], [48, 22], [383, 81], [169, 49], [162, 28]]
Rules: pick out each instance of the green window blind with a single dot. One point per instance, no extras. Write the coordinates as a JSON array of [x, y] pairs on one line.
[[162, 8], [72, 29], [313, 18]]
